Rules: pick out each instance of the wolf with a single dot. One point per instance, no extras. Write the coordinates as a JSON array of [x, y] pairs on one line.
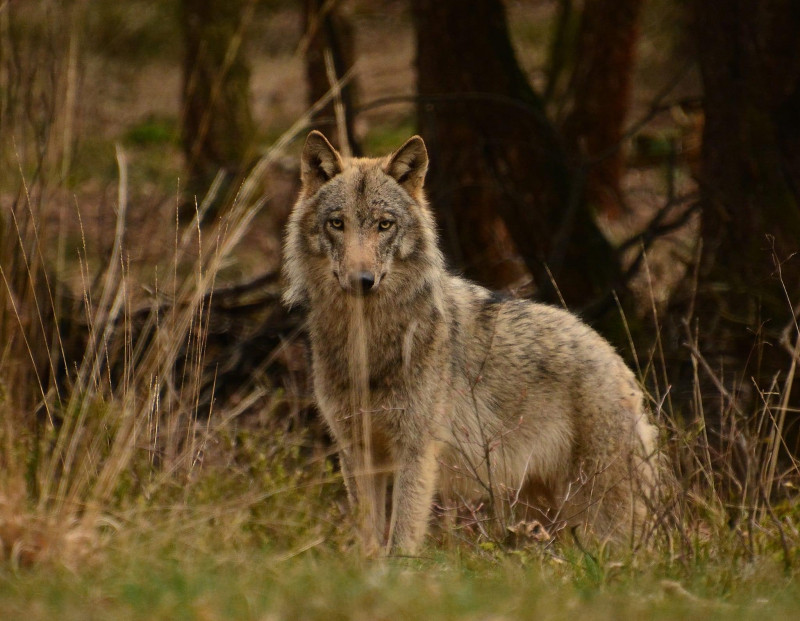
[[435, 384]]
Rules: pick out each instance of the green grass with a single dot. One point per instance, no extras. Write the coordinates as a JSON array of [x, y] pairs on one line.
[[262, 531], [150, 578]]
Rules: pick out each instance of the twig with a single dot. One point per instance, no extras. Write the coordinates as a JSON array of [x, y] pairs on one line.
[[707, 368]]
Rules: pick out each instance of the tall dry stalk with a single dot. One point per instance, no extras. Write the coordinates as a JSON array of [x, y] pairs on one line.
[[133, 393]]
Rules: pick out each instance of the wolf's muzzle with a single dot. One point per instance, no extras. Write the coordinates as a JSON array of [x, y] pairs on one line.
[[362, 282]]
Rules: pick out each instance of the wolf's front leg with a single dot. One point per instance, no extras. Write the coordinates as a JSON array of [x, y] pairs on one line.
[[412, 498], [359, 481], [366, 493]]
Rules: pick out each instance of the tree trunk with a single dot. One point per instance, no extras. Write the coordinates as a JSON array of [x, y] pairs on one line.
[[217, 124], [499, 179], [749, 56], [327, 29], [600, 97]]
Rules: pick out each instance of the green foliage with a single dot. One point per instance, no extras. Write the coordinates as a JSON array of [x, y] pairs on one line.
[[152, 131], [388, 136]]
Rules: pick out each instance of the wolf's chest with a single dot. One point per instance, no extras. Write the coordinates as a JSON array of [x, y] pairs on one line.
[[364, 360]]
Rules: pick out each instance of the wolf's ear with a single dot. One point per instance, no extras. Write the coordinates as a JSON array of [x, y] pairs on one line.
[[409, 164], [319, 163]]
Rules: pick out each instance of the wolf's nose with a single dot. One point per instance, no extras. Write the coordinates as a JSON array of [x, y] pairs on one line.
[[362, 281]]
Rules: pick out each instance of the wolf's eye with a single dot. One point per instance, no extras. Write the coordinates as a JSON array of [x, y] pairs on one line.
[[385, 225], [336, 223]]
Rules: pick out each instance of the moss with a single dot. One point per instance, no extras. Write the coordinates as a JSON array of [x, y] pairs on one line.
[[152, 131]]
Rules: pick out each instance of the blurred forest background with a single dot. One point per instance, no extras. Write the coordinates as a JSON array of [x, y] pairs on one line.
[[637, 161]]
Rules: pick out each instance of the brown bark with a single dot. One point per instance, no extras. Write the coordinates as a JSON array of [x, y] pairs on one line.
[[217, 123], [499, 179], [600, 96], [327, 29], [749, 56]]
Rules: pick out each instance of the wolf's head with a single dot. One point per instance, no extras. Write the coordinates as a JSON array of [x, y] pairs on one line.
[[361, 226]]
